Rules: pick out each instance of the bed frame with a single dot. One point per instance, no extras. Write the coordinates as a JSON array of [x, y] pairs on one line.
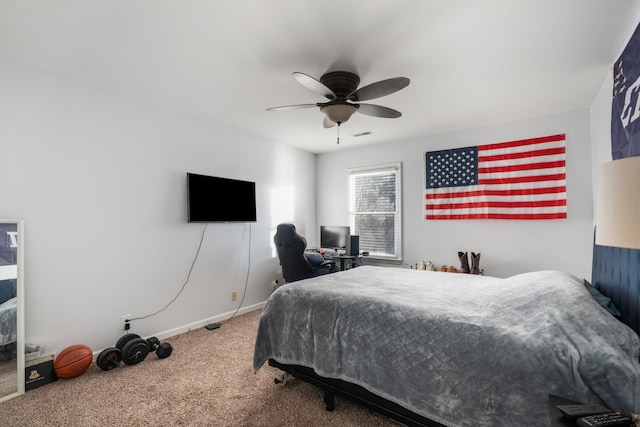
[[355, 393], [615, 272]]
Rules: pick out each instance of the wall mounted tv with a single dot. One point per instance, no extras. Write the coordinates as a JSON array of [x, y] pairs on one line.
[[215, 199]]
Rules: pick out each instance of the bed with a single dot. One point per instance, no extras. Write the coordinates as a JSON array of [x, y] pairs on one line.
[[444, 349]]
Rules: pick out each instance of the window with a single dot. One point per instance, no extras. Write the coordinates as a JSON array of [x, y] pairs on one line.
[[375, 209]]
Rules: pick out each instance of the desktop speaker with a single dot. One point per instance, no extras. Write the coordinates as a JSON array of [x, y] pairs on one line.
[[353, 246]]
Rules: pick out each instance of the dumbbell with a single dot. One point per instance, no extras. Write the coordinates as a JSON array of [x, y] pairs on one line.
[[163, 350], [128, 349], [109, 358], [135, 349], [131, 349]]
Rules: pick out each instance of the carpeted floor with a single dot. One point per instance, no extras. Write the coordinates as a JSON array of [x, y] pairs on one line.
[[207, 381], [8, 377]]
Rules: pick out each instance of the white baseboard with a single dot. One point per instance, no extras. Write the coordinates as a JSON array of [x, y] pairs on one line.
[[201, 323]]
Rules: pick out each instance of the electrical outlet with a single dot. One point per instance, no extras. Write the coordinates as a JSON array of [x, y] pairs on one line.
[[124, 322], [234, 296]]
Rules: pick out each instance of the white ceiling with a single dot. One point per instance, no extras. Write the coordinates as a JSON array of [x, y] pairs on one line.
[[471, 62]]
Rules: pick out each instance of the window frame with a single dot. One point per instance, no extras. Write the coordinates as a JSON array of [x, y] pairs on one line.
[[396, 167]]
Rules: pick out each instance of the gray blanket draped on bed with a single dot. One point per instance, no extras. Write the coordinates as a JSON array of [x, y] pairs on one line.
[[8, 321], [460, 349]]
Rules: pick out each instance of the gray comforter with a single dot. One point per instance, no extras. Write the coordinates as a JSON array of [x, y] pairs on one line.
[[8, 321], [459, 349]]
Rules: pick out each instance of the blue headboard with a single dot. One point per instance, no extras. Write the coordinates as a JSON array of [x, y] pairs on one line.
[[616, 273], [7, 289]]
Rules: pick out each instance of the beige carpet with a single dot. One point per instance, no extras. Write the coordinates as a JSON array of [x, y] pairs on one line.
[[207, 381], [8, 377]]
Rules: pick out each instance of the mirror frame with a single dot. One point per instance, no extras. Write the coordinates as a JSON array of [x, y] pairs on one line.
[[20, 307]]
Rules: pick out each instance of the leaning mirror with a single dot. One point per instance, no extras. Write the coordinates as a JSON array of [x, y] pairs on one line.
[[11, 308]]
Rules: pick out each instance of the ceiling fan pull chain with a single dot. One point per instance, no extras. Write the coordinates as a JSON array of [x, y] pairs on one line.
[[338, 133]]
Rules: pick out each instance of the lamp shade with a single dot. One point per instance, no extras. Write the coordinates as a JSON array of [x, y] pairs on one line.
[[618, 205], [339, 113]]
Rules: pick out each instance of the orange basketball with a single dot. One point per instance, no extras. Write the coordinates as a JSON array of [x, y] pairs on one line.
[[73, 361]]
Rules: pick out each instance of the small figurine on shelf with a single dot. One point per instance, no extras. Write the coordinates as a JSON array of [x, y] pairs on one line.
[[422, 265], [430, 266]]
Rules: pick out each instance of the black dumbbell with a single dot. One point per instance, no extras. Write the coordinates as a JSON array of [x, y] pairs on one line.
[[109, 358], [163, 350], [133, 349]]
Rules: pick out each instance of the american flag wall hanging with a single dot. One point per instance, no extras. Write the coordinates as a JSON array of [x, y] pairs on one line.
[[523, 179]]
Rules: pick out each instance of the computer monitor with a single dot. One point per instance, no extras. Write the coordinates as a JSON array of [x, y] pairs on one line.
[[334, 236]]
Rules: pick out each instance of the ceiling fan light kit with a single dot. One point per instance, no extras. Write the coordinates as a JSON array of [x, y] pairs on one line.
[[339, 113], [341, 89]]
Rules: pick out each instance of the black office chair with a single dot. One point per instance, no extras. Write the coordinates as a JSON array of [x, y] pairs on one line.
[[295, 265]]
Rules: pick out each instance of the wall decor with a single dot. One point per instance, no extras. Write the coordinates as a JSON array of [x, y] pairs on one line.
[[625, 105], [522, 180]]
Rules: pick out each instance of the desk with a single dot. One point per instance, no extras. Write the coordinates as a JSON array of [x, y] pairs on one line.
[[346, 261]]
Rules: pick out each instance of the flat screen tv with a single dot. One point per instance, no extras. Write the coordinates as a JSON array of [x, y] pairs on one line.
[[334, 236], [215, 199]]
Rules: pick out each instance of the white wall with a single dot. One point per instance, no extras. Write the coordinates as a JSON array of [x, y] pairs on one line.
[[506, 247], [600, 133], [100, 180]]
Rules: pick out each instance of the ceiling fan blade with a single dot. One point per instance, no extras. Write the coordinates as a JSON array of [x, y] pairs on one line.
[[379, 111], [378, 89], [291, 107], [328, 123], [313, 84]]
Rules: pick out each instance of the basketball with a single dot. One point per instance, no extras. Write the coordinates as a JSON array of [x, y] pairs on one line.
[[73, 361]]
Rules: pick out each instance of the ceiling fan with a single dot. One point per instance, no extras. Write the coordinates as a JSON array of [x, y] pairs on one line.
[[341, 89]]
